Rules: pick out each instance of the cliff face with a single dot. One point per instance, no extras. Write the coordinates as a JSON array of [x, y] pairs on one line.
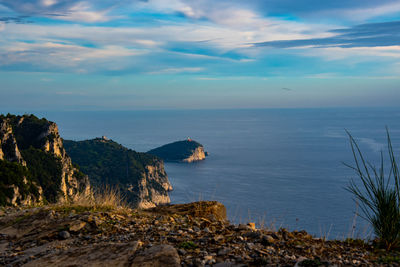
[[32, 148], [152, 187], [181, 151], [8, 144], [140, 177], [197, 154]]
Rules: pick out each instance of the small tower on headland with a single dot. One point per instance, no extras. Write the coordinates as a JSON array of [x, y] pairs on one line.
[[105, 138], [189, 139]]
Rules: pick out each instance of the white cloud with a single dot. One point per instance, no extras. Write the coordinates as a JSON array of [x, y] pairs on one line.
[[362, 14], [207, 79], [357, 53], [177, 70], [146, 42], [67, 57], [82, 12], [220, 37], [188, 11], [49, 2]]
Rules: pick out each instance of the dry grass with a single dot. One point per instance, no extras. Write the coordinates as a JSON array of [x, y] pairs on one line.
[[105, 199]]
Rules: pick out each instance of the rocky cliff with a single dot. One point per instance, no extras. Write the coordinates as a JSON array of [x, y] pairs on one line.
[[181, 151], [140, 177], [197, 155], [34, 165]]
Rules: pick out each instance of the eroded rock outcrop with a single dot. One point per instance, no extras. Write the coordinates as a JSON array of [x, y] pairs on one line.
[[197, 155], [140, 177], [180, 151], [212, 210], [152, 187], [8, 144], [35, 166]]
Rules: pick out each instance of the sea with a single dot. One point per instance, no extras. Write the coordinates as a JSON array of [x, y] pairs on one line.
[[275, 167]]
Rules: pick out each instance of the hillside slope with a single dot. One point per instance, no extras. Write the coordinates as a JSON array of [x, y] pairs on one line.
[[140, 177]]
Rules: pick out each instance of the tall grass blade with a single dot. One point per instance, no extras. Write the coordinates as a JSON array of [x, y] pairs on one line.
[[379, 196]]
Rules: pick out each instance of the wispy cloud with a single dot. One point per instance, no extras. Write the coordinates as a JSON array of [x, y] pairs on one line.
[[229, 38], [363, 13], [365, 35], [69, 10], [177, 70], [70, 93], [207, 78], [68, 44], [58, 57], [19, 19], [222, 10]]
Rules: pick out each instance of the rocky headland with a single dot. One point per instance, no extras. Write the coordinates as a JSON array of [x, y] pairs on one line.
[[194, 234], [140, 177], [180, 151], [34, 166], [52, 217]]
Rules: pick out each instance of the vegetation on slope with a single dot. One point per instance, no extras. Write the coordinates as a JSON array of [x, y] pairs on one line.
[[109, 163], [13, 174], [176, 151], [44, 169], [28, 131]]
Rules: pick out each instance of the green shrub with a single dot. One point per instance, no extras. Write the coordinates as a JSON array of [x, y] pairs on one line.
[[187, 245], [379, 194], [46, 170], [12, 173], [388, 259]]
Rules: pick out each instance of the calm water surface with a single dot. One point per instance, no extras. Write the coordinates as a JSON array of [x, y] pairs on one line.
[[280, 167]]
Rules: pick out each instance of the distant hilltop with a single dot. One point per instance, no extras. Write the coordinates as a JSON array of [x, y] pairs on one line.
[[181, 151]]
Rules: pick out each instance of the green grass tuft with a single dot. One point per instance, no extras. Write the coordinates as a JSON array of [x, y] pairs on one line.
[[379, 195]]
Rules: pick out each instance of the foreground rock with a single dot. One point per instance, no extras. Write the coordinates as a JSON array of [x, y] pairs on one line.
[[140, 177], [34, 166], [180, 151], [195, 234], [158, 256]]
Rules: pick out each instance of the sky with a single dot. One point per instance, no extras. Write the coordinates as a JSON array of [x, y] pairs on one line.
[[198, 54]]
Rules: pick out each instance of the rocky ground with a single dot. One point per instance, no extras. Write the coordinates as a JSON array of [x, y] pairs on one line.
[[195, 234]]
